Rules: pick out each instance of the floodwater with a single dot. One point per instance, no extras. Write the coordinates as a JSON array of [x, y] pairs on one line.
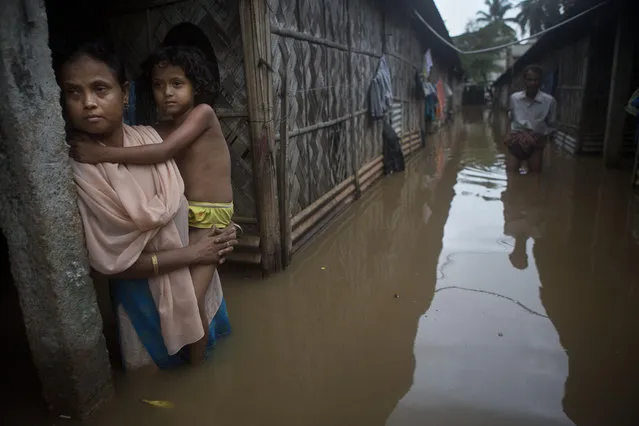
[[449, 295]]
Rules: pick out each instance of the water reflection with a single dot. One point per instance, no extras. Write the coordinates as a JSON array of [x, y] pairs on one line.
[[535, 315], [486, 352], [448, 295]]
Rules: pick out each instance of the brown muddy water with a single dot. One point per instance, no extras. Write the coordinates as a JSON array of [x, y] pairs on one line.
[[449, 295]]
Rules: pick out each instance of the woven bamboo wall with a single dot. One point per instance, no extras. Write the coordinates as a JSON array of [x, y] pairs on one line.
[[597, 91], [572, 64], [310, 45], [219, 20]]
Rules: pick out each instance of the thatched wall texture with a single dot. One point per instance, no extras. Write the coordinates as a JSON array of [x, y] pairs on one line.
[[138, 32], [313, 46]]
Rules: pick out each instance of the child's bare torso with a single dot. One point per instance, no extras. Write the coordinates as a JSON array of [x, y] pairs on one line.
[[205, 166]]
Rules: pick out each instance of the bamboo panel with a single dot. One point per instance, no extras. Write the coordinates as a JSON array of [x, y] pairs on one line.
[[367, 26], [286, 48], [319, 160], [316, 90], [337, 80], [336, 20], [298, 183], [570, 90], [312, 18], [318, 173], [283, 13], [219, 20]]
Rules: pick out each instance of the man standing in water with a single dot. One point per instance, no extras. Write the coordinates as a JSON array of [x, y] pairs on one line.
[[533, 117]]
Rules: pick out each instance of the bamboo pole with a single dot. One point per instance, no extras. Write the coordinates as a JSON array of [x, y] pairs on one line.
[[308, 211], [282, 175], [296, 35], [351, 82], [308, 129], [256, 44]]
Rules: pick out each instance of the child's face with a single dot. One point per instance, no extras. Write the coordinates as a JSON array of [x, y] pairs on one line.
[[93, 98], [173, 92]]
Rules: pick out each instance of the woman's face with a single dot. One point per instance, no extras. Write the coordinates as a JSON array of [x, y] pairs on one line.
[[93, 98]]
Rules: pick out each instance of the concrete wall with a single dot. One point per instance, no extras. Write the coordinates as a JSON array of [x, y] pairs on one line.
[[39, 217]]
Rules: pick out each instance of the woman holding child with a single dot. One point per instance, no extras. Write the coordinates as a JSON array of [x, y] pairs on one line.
[[136, 223]]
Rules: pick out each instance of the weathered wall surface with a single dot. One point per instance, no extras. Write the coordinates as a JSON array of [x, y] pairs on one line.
[[40, 220], [138, 33], [313, 43]]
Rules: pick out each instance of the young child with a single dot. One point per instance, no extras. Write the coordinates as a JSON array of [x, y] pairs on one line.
[[193, 138]]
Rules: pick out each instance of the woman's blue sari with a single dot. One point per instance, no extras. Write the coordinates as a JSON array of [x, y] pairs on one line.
[[136, 299]]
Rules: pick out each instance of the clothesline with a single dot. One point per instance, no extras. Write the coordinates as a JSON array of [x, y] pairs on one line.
[[503, 46]]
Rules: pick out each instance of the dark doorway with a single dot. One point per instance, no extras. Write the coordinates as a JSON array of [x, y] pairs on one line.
[[188, 34]]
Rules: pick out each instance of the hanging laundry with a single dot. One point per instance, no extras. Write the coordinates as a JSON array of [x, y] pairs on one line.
[[420, 85], [441, 97], [381, 91], [428, 62], [431, 102]]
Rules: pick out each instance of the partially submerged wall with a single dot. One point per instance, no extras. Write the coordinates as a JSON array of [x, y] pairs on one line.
[[327, 53]]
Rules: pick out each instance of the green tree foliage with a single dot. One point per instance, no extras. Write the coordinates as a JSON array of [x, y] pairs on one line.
[[478, 66]]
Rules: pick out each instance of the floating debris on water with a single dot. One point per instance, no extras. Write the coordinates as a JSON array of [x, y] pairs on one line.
[[159, 404]]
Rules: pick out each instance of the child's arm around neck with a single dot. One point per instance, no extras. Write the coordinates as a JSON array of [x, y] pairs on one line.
[[197, 122]]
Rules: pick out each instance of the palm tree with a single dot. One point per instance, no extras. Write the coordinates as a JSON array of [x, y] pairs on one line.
[[531, 16], [537, 15], [497, 10]]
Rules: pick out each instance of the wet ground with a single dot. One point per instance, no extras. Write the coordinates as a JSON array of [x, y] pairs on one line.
[[449, 295]]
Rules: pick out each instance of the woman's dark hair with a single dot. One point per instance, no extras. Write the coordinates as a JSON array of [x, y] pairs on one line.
[[192, 62], [534, 68], [100, 50]]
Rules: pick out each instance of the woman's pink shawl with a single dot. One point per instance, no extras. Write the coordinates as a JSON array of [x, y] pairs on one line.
[[128, 210]]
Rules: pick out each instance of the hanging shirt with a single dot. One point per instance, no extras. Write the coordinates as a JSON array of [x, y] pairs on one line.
[[538, 115], [381, 91], [428, 62]]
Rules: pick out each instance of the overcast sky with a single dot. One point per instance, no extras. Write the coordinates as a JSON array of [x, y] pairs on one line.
[[456, 13]]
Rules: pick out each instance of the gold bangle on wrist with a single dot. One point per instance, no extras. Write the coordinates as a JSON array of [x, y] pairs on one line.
[[156, 265]]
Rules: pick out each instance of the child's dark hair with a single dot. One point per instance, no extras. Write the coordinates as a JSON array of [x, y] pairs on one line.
[[100, 50], [537, 69], [194, 64]]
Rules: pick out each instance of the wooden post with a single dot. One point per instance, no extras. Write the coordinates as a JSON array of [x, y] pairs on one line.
[[351, 93], [635, 168], [282, 175], [584, 92], [256, 44], [384, 27], [619, 89]]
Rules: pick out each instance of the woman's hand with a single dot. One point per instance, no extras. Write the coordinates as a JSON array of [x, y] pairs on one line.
[[212, 247]]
